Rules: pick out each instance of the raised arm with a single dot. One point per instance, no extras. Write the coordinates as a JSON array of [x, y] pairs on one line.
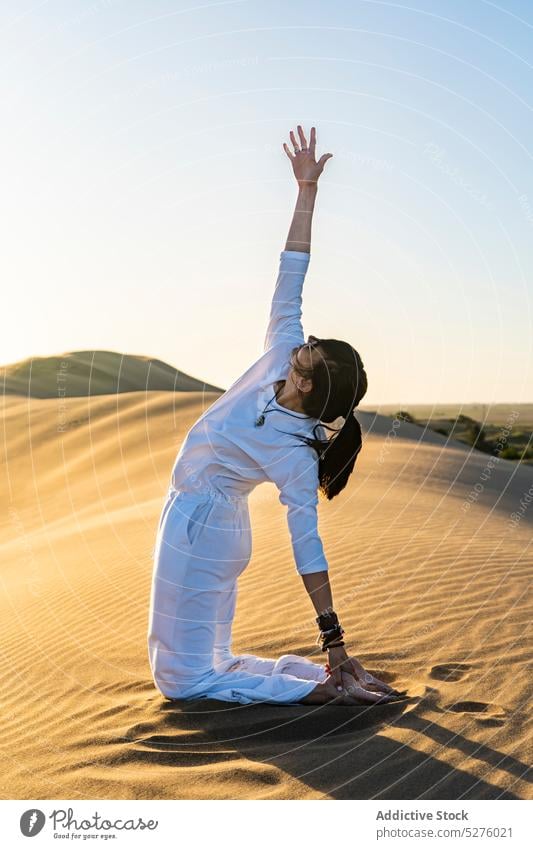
[[306, 171], [285, 322]]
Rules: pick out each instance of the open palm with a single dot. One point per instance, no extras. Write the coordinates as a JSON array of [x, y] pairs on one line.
[[306, 169]]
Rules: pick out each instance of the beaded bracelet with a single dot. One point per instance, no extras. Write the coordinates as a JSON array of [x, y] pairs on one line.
[[327, 619], [330, 633], [331, 638]]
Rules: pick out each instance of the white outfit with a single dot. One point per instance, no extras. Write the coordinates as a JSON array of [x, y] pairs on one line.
[[204, 538]]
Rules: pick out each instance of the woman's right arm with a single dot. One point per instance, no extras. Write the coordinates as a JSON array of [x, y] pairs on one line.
[[319, 589]]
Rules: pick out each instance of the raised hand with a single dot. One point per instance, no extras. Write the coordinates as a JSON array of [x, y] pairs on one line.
[[306, 169]]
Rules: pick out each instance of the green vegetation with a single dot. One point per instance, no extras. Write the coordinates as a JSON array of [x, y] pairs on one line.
[[509, 441], [403, 416], [495, 414]]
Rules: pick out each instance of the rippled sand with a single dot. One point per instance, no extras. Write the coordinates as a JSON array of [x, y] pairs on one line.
[[430, 557]]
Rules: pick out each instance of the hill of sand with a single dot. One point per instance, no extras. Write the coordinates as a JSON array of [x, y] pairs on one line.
[[430, 555], [78, 373]]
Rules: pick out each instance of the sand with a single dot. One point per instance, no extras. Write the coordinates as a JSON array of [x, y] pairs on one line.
[[430, 556]]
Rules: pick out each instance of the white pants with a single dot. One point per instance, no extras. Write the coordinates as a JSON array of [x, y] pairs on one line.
[[203, 544]]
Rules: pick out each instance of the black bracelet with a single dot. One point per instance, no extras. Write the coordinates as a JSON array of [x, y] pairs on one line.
[[330, 637], [334, 646], [330, 629], [327, 620]]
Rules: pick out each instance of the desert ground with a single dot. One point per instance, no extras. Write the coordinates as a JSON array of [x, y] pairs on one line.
[[430, 561]]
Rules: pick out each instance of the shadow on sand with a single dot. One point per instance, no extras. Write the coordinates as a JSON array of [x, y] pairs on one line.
[[341, 752]]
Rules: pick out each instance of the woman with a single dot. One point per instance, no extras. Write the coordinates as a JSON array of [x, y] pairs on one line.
[[266, 427]]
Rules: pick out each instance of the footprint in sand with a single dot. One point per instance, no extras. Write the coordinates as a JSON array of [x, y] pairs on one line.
[[489, 714], [450, 671]]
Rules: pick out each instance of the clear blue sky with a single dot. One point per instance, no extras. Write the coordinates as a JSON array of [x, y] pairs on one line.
[[148, 196]]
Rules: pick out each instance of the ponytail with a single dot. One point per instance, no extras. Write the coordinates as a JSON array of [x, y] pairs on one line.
[[339, 383], [337, 460], [337, 456]]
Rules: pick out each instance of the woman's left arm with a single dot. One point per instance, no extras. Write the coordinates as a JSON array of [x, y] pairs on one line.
[[299, 238], [307, 171]]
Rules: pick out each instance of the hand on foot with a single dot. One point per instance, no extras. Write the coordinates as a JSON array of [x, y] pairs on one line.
[[339, 664]]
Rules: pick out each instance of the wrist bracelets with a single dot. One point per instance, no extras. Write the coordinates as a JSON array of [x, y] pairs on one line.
[[330, 630]]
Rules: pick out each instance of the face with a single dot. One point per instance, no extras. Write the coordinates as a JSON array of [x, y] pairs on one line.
[[306, 356]]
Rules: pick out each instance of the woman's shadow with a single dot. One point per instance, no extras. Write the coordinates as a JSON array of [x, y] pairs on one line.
[[341, 752]]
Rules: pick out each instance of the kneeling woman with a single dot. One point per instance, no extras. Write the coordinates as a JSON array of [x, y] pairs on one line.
[[266, 427]]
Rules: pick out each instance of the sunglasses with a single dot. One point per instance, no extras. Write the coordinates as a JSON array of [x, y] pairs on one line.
[[311, 343]]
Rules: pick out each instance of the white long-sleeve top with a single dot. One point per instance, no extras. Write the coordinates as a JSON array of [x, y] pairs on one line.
[[225, 452]]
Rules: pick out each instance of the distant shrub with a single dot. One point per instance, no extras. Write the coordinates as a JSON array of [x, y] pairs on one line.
[[477, 431], [466, 420], [511, 453], [475, 435], [404, 416]]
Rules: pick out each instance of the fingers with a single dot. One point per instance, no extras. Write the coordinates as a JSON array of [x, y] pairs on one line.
[[368, 681], [368, 696], [294, 142], [308, 157], [312, 143], [324, 158], [357, 668], [287, 151], [300, 145], [382, 685], [351, 694], [364, 677]]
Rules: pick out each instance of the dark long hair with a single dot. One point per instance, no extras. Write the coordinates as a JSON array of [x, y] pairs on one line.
[[339, 383]]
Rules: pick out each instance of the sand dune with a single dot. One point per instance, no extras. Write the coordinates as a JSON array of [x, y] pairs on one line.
[[430, 558], [76, 373]]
